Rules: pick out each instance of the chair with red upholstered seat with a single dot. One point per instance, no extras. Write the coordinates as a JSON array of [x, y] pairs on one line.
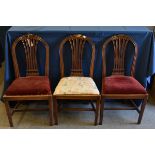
[[119, 85], [31, 86]]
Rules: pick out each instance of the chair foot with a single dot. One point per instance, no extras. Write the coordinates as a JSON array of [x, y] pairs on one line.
[[8, 111], [142, 111]]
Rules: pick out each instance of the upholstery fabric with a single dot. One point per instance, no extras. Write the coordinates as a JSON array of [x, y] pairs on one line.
[[118, 84], [31, 85], [76, 85]]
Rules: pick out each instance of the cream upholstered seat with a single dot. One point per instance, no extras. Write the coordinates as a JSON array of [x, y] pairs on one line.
[[76, 85]]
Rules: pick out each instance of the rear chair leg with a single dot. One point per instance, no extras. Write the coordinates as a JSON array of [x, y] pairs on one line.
[[55, 110], [50, 104], [101, 110], [8, 111], [142, 110]]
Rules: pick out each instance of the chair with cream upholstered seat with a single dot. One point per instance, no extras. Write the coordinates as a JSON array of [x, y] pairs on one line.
[[76, 86]]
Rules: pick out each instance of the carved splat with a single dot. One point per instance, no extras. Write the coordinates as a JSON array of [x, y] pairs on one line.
[[77, 43], [119, 45], [30, 46], [77, 46], [30, 43]]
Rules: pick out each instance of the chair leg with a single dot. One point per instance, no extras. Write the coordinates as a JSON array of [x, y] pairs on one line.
[[50, 104], [55, 110], [97, 111], [142, 110], [8, 111], [101, 110]]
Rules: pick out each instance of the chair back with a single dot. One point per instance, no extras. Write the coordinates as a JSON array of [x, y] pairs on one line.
[[77, 43], [119, 43], [30, 44]]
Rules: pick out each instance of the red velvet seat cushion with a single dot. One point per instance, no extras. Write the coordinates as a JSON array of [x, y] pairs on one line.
[[31, 85], [123, 85]]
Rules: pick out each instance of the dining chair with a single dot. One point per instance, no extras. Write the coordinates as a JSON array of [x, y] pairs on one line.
[[29, 86], [118, 84], [76, 86]]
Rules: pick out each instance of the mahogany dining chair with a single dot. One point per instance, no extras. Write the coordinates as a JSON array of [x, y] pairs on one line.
[[76, 86], [32, 86], [119, 85]]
